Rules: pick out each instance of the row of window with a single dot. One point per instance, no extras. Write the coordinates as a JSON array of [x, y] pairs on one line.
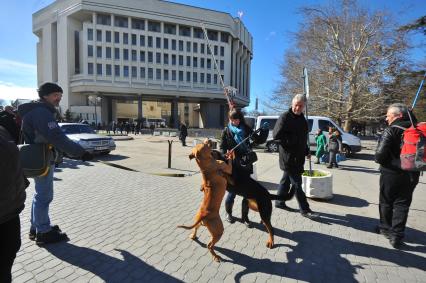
[[154, 26], [160, 58], [174, 44], [173, 75]]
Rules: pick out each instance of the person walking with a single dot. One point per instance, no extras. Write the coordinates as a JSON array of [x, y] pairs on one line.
[[291, 130], [183, 133], [396, 185], [321, 142], [39, 127], [334, 146]]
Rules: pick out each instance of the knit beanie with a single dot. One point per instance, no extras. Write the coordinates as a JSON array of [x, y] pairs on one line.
[[48, 88]]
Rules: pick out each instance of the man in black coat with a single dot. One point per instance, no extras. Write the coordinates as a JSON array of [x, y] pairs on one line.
[[183, 134], [291, 130], [396, 185]]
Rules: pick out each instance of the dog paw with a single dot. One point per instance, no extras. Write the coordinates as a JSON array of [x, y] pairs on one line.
[[193, 236], [269, 244], [217, 258]]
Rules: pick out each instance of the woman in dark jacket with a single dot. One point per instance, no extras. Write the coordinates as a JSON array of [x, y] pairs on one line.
[[235, 132], [334, 146]]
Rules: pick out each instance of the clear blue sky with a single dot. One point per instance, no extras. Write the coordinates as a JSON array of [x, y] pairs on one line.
[[268, 21]]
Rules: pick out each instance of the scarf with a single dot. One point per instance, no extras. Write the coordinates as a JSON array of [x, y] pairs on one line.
[[238, 135]]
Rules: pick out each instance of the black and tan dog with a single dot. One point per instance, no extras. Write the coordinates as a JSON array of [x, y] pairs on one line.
[[214, 185]]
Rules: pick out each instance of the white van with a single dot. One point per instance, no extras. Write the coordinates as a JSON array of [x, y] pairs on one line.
[[351, 143]]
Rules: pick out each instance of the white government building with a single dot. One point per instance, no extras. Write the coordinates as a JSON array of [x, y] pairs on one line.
[[142, 58]]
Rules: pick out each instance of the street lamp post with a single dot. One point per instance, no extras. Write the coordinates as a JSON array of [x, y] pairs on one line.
[[95, 99]]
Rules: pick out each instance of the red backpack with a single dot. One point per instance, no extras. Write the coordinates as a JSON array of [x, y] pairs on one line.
[[413, 150]]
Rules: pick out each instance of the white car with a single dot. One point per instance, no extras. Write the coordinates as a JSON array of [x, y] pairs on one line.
[[85, 136]]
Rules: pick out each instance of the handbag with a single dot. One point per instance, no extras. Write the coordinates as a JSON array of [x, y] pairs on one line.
[[35, 159]]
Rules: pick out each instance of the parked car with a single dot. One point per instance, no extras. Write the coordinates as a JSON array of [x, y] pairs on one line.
[[351, 144], [85, 136], [157, 122]]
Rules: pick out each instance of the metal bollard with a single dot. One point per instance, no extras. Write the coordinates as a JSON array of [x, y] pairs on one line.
[[169, 165]]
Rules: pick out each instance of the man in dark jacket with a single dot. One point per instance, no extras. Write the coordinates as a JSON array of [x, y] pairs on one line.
[[291, 130], [396, 185], [40, 126], [183, 134], [12, 198]]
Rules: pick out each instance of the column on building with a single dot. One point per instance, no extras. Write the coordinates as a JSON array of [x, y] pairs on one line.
[[175, 117], [140, 111], [210, 113]]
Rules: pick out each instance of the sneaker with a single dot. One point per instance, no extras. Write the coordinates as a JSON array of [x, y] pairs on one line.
[[396, 243], [309, 214], [53, 236], [382, 232], [32, 233], [229, 218]]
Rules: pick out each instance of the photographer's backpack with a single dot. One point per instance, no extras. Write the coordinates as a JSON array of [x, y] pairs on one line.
[[413, 149]]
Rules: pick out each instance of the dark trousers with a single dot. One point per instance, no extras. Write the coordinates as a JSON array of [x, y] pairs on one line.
[[10, 242], [396, 193], [295, 180], [183, 140], [332, 158]]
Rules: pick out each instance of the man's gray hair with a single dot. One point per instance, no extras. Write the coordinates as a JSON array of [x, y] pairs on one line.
[[298, 97], [398, 108]]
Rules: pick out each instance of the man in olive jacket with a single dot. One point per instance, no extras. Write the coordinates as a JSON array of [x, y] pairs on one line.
[[396, 185], [291, 130]]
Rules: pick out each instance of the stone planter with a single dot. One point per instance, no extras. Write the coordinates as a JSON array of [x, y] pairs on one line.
[[318, 187]]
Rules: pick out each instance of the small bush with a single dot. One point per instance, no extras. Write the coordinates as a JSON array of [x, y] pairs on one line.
[[315, 173]]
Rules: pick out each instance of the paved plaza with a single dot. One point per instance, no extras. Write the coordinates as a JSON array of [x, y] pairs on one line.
[[122, 227]]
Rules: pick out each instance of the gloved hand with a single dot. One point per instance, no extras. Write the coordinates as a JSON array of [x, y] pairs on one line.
[[87, 156]]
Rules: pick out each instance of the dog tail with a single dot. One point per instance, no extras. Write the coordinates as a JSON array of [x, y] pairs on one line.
[[192, 226]]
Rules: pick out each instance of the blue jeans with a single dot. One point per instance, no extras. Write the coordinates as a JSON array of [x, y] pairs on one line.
[[43, 196], [284, 190]]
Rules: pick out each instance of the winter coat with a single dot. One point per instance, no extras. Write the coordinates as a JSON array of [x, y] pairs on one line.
[[334, 143], [321, 144], [291, 131], [183, 132]]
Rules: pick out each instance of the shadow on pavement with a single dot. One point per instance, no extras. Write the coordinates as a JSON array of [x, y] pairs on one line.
[[111, 157], [108, 268], [71, 164], [359, 169], [347, 201], [363, 156], [269, 185]]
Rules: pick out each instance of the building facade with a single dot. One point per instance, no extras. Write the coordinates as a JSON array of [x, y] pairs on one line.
[[124, 57]]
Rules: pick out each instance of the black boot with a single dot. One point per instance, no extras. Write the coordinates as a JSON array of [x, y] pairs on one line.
[[244, 213], [228, 209]]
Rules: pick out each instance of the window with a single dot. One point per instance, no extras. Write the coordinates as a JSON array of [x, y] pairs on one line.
[[117, 53], [98, 35], [142, 72], [198, 33], [324, 125], [158, 74], [169, 29], [215, 50], [126, 71], [125, 54], [209, 63], [125, 38], [138, 24], [150, 57], [184, 31], [117, 70], [89, 34], [215, 79], [134, 55], [173, 44], [165, 43], [224, 37], [202, 48], [201, 62], [180, 45], [149, 41], [181, 76], [213, 35], [90, 50], [121, 22], [188, 77], [166, 75], [173, 75], [116, 37], [150, 73], [165, 59], [194, 77], [154, 26], [108, 36], [108, 69], [202, 78], [90, 68], [99, 51], [222, 64], [142, 40], [142, 56], [222, 51], [134, 39], [188, 61], [158, 42], [195, 47], [209, 78], [188, 46], [173, 59], [134, 72], [108, 52], [99, 69], [195, 62], [102, 19], [180, 60], [158, 58]]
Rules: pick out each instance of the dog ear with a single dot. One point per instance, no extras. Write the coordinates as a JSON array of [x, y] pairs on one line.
[[191, 156]]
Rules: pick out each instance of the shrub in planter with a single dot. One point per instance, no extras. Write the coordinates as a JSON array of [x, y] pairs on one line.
[[319, 184]]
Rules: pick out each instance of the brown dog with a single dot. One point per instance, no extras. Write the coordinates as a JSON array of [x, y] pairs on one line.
[[213, 186]]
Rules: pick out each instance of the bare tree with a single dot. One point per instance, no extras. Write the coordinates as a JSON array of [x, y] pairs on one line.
[[350, 53]]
